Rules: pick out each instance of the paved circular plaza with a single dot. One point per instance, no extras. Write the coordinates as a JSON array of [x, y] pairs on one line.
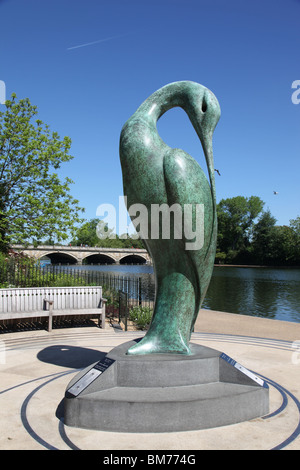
[[36, 367]]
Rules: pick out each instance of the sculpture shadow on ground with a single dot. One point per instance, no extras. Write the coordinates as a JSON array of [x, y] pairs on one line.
[[74, 357]]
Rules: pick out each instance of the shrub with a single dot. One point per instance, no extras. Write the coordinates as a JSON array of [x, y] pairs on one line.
[[141, 316]]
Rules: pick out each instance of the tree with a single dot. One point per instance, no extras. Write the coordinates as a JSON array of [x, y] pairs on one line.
[[295, 227], [283, 246], [235, 222], [276, 245], [88, 233], [263, 238], [34, 202], [96, 233]]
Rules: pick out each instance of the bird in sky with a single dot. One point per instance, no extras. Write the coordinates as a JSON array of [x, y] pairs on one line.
[[275, 192]]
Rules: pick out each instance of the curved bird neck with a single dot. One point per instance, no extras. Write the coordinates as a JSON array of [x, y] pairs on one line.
[[178, 94], [168, 97]]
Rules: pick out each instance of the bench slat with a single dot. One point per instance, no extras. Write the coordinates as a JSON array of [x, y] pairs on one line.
[[45, 313]]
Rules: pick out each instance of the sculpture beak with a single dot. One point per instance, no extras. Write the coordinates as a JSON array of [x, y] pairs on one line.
[[207, 146], [205, 117]]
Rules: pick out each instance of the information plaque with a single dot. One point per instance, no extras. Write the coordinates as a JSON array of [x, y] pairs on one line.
[[243, 369], [90, 376]]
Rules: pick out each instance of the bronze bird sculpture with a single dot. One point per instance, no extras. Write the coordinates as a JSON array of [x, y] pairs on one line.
[[155, 175]]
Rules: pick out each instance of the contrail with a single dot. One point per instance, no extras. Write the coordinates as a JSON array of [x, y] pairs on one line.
[[95, 42]]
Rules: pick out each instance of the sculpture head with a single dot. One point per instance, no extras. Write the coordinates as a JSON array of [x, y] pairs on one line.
[[204, 111]]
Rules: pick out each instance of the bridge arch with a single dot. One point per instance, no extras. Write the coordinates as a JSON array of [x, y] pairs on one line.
[[58, 257], [133, 259], [98, 258], [59, 254]]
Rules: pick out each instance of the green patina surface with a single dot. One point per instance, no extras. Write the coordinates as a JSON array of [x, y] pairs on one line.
[[154, 173]]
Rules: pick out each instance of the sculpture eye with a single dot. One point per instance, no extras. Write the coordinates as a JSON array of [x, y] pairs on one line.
[[204, 105]]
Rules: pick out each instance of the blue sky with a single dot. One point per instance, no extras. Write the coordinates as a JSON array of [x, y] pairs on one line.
[[246, 52]]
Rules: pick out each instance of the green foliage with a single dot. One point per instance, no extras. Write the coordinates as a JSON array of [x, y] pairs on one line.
[[111, 295], [263, 238], [249, 235], [63, 280], [86, 234], [235, 221], [29, 275], [220, 257], [284, 249], [295, 227], [34, 202], [141, 316]]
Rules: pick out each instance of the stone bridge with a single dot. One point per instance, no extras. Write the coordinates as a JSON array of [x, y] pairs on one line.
[[85, 254]]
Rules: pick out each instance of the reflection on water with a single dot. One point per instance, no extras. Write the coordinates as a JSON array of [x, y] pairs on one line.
[[265, 292], [117, 269]]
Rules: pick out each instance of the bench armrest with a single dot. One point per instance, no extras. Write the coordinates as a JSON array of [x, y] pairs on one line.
[[50, 302]]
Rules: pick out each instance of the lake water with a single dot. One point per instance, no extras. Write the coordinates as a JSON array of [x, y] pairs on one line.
[[264, 292]]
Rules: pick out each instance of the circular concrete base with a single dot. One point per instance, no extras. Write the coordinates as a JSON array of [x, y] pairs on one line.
[[164, 392], [38, 367]]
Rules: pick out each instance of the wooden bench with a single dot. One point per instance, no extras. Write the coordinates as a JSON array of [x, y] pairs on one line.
[[48, 302]]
